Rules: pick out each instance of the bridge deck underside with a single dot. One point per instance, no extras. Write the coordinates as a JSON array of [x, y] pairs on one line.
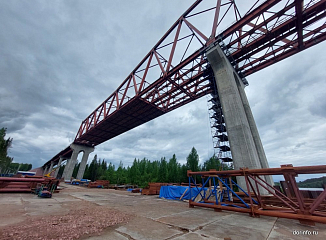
[[131, 115]]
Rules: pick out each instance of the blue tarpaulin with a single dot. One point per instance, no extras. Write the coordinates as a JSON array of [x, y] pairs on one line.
[[175, 192]]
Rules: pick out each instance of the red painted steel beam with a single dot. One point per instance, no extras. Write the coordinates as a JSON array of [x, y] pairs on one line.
[[11, 190], [280, 214], [284, 55], [289, 45], [298, 10], [317, 202], [249, 17], [279, 32], [265, 171], [261, 25], [173, 46], [11, 179], [216, 16]]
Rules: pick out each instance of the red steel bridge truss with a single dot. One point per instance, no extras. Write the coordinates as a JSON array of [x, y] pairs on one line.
[[174, 72]]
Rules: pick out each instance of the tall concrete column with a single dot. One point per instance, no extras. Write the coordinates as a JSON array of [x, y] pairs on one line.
[[83, 163], [73, 160], [51, 166], [45, 170], [71, 165], [66, 169], [254, 130], [58, 168], [240, 125]]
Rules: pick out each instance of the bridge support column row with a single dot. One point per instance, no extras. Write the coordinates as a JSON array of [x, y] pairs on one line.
[[246, 147], [73, 160]]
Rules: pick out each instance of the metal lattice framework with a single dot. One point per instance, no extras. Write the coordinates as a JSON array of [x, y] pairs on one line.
[[218, 192], [173, 73]]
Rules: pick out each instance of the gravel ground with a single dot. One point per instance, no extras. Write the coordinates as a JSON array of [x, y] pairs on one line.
[[82, 220]]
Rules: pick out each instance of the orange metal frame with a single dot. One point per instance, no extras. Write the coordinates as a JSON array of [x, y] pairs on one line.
[[276, 204]]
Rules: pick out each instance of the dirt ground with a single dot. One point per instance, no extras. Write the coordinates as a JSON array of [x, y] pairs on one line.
[[72, 221], [95, 214]]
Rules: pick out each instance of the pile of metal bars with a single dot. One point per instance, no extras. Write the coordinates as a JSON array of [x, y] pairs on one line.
[[28, 184], [222, 194]]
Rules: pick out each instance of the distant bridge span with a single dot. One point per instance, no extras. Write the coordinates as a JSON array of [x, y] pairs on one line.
[[175, 71]]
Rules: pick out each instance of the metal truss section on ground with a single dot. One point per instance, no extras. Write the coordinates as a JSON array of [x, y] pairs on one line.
[[220, 192]]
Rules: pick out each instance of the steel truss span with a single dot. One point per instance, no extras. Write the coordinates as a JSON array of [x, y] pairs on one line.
[[174, 72]]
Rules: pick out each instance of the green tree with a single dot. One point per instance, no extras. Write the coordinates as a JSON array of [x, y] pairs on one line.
[[163, 171], [104, 165], [121, 174], [173, 170], [5, 144], [25, 167], [182, 173], [134, 173], [212, 163], [91, 170], [75, 172], [193, 160], [61, 169], [110, 173]]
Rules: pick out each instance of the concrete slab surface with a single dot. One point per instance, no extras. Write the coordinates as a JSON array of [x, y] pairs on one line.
[[108, 235], [195, 236], [154, 218], [292, 230], [237, 232], [193, 219], [141, 228], [10, 198]]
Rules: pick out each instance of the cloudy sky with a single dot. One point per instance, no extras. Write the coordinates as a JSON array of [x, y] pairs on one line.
[[60, 59]]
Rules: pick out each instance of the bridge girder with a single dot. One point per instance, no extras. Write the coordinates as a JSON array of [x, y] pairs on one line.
[[170, 76]]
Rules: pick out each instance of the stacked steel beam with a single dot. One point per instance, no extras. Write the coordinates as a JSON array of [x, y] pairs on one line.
[[9, 184], [153, 188], [99, 184]]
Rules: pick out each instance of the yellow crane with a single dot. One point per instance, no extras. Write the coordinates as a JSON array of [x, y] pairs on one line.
[[49, 173]]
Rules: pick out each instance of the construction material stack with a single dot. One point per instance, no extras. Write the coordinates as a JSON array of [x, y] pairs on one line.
[[99, 184], [153, 188], [25, 184]]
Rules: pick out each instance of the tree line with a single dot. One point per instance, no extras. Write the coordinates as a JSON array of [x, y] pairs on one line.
[[6, 164], [143, 171], [313, 183], [5, 144]]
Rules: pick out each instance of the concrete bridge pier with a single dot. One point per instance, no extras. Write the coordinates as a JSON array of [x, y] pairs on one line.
[[246, 147], [51, 167], [83, 163], [58, 167], [73, 160], [66, 169], [45, 170]]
